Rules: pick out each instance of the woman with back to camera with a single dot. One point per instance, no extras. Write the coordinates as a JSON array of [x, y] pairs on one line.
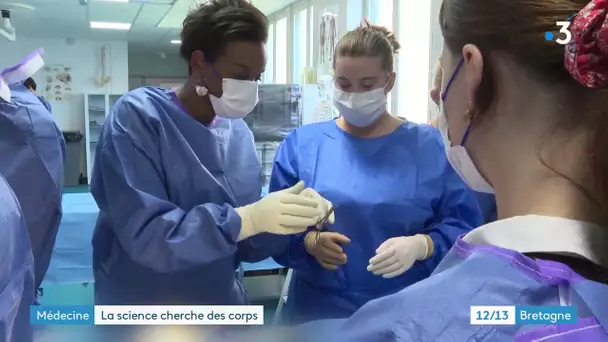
[[528, 118], [17, 268], [176, 175], [486, 200], [399, 204]]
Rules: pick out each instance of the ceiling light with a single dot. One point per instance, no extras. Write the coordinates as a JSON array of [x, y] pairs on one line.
[[176, 41], [110, 26]]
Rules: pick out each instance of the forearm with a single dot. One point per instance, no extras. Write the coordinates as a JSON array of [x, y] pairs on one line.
[[295, 255]]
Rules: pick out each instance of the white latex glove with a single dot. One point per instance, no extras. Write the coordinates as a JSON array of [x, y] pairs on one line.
[[282, 212], [324, 204], [398, 254]]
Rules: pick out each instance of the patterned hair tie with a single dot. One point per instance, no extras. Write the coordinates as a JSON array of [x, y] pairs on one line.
[[586, 55]]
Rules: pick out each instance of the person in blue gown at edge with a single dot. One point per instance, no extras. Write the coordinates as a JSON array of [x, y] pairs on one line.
[[539, 141], [17, 281], [17, 291], [177, 179], [33, 156], [487, 201], [30, 84], [399, 204]]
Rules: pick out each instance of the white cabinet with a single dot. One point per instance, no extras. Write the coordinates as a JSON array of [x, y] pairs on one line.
[[96, 110]]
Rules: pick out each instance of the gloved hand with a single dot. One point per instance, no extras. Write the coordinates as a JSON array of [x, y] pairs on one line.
[[398, 254], [323, 203], [281, 212], [328, 251]]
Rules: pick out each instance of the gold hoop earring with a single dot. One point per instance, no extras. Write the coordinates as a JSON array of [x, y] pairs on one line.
[[470, 113]]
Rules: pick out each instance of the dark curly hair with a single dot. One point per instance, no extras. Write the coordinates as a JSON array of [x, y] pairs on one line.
[[216, 23]]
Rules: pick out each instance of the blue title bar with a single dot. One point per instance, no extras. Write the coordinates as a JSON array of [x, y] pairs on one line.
[[545, 315], [67, 315]]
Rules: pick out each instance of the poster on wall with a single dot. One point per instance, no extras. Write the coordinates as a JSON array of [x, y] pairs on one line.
[[57, 82]]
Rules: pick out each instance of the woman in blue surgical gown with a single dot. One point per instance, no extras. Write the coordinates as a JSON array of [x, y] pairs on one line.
[[539, 141], [33, 155], [177, 180], [399, 205]]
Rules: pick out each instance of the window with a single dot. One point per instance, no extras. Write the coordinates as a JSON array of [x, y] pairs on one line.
[[311, 37], [381, 13], [281, 51], [268, 76], [300, 48], [413, 73]]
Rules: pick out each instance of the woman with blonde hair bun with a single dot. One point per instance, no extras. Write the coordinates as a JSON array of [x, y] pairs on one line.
[[399, 204]]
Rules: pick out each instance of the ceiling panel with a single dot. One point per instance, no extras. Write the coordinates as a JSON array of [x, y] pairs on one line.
[[163, 2], [54, 9], [178, 12], [154, 22], [109, 35], [175, 17], [113, 12], [52, 28], [151, 15]]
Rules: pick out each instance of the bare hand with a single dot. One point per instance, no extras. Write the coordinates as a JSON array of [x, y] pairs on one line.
[[328, 250]]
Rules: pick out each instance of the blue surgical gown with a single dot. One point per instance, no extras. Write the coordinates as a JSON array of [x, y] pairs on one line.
[[166, 186], [34, 169], [400, 184], [437, 309], [16, 270], [45, 103]]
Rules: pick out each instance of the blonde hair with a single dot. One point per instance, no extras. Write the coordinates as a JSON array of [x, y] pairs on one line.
[[437, 78], [369, 40]]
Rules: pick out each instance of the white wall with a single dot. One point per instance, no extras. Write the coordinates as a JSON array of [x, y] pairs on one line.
[[84, 57], [435, 51]]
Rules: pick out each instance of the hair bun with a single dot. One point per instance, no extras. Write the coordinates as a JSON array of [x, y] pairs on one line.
[[390, 36], [586, 55]]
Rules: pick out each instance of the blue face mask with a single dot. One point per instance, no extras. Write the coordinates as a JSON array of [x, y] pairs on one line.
[[457, 154]]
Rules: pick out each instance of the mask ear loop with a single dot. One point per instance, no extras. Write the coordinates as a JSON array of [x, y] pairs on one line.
[[470, 113]]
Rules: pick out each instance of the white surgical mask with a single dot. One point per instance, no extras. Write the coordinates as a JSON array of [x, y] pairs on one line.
[[457, 155], [462, 163], [238, 98], [360, 109]]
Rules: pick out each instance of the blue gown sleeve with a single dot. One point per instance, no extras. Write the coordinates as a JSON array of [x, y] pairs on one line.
[[261, 247], [457, 212], [285, 175], [156, 233]]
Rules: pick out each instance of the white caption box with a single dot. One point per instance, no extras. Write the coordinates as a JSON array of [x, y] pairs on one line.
[[180, 315], [492, 315]]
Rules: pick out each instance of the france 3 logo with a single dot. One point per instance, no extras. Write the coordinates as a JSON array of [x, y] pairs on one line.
[[564, 35]]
